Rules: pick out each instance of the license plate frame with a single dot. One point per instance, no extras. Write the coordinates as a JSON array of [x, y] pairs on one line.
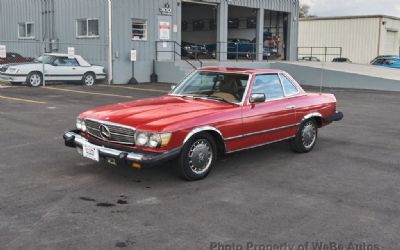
[[91, 152]]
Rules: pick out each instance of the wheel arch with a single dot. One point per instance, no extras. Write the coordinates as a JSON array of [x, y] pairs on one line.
[[90, 72], [214, 132], [316, 116]]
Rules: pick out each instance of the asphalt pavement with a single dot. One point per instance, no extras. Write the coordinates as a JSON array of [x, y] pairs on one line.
[[346, 191]]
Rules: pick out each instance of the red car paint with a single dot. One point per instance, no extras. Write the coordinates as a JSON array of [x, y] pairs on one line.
[[241, 126]]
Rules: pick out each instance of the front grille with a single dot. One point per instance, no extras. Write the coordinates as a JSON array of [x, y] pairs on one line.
[[118, 133]]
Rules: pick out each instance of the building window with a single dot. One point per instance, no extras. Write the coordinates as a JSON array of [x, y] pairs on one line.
[[87, 28], [26, 31], [139, 29]]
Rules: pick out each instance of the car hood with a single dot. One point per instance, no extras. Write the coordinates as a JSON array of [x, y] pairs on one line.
[[157, 114]]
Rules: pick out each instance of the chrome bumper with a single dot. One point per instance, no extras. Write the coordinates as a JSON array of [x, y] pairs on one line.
[[75, 140]]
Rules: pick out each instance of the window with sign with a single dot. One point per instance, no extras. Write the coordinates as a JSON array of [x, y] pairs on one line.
[[139, 29], [87, 28], [26, 30]]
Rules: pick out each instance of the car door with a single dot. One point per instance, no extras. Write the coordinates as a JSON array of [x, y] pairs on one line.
[[64, 69], [272, 120]]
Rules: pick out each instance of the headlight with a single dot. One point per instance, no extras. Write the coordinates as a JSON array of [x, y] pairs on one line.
[[152, 140], [80, 124], [141, 139]]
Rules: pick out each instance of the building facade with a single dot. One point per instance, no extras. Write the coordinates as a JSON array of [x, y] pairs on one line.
[[361, 38], [106, 31]]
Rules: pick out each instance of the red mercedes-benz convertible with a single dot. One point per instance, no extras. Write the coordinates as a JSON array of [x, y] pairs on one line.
[[213, 111]]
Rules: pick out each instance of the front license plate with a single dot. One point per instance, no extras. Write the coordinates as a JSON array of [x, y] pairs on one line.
[[90, 152]]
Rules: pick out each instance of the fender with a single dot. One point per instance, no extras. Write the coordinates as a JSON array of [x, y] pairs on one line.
[[201, 129], [220, 140], [311, 115]]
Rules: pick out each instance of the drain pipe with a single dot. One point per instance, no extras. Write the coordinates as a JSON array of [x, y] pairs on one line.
[[110, 54]]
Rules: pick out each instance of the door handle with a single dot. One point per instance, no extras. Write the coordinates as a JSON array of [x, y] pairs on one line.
[[290, 107], [73, 68]]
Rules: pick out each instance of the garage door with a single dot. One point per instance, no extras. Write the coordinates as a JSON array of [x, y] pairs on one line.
[[391, 45]]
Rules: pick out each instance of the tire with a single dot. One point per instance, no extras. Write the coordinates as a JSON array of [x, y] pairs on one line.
[[89, 79], [250, 55], [198, 157], [34, 79], [306, 137]]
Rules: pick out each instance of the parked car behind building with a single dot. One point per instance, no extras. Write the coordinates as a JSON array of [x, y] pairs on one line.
[[387, 61]]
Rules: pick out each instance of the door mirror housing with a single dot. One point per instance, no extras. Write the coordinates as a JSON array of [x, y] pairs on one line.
[[257, 98]]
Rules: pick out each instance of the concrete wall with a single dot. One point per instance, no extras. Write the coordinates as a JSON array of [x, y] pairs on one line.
[[313, 76]]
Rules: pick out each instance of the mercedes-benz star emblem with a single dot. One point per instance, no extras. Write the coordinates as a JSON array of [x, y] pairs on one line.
[[105, 132]]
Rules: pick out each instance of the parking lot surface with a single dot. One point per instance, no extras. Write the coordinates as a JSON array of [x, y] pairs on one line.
[[346, 190]]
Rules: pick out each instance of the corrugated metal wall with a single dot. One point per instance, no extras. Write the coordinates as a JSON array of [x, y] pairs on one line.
[[357, 37], [66, 13]]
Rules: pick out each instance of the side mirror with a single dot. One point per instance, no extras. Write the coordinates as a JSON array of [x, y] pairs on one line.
[[257, 98], [173, 87]]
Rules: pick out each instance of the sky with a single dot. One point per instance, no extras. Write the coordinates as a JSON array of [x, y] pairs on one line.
[[353, 7]]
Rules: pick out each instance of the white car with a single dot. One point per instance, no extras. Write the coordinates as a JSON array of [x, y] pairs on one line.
[[57, 67]]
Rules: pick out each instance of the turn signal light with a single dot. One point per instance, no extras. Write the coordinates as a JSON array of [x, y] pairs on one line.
[[136, 165]]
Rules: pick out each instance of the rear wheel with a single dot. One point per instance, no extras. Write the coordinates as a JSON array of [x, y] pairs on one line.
[[89, 79], [34, 79], [306, 137], [198, 157]]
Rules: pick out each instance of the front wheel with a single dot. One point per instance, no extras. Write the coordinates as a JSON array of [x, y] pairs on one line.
[[306, 137], [89, 79], [34, 79], [198, 157]]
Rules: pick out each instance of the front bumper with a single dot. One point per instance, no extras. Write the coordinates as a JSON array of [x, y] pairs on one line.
[[12, 78], [119, 157]]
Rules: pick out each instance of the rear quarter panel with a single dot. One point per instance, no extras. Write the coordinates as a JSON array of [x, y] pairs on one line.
[[324, 104]]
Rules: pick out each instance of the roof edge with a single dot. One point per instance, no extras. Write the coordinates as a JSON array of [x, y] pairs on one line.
[[349, 17]]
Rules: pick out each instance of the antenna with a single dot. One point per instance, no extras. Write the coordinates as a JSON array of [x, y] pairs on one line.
[[322, 77]]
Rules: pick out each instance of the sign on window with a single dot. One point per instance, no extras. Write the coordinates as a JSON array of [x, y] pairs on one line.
[[165, 28], [3, 52]]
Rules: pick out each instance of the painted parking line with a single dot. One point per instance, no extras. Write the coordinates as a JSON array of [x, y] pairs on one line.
[[87, 92], [21, 100], [140, 89]]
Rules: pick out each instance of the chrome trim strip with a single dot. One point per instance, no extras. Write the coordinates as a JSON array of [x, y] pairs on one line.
[[260, 145], [315, 114], [261, 132], [200, 129]]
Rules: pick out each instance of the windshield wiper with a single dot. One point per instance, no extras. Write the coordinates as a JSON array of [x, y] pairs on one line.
[[215, 98]]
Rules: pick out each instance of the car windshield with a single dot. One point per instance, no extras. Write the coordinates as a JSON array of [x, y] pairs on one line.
[[45, 59], [216, 86]]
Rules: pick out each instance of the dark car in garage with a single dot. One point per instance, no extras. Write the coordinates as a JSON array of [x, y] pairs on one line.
[[191, 50]]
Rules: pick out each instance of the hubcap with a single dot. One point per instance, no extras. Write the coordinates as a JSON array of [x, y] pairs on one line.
[[89, 80], [309, 135], [35, 80], [200, 156]]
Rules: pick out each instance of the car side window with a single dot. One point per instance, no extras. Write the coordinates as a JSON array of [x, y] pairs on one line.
[[65, 61], [270, 85], [290, 88]]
